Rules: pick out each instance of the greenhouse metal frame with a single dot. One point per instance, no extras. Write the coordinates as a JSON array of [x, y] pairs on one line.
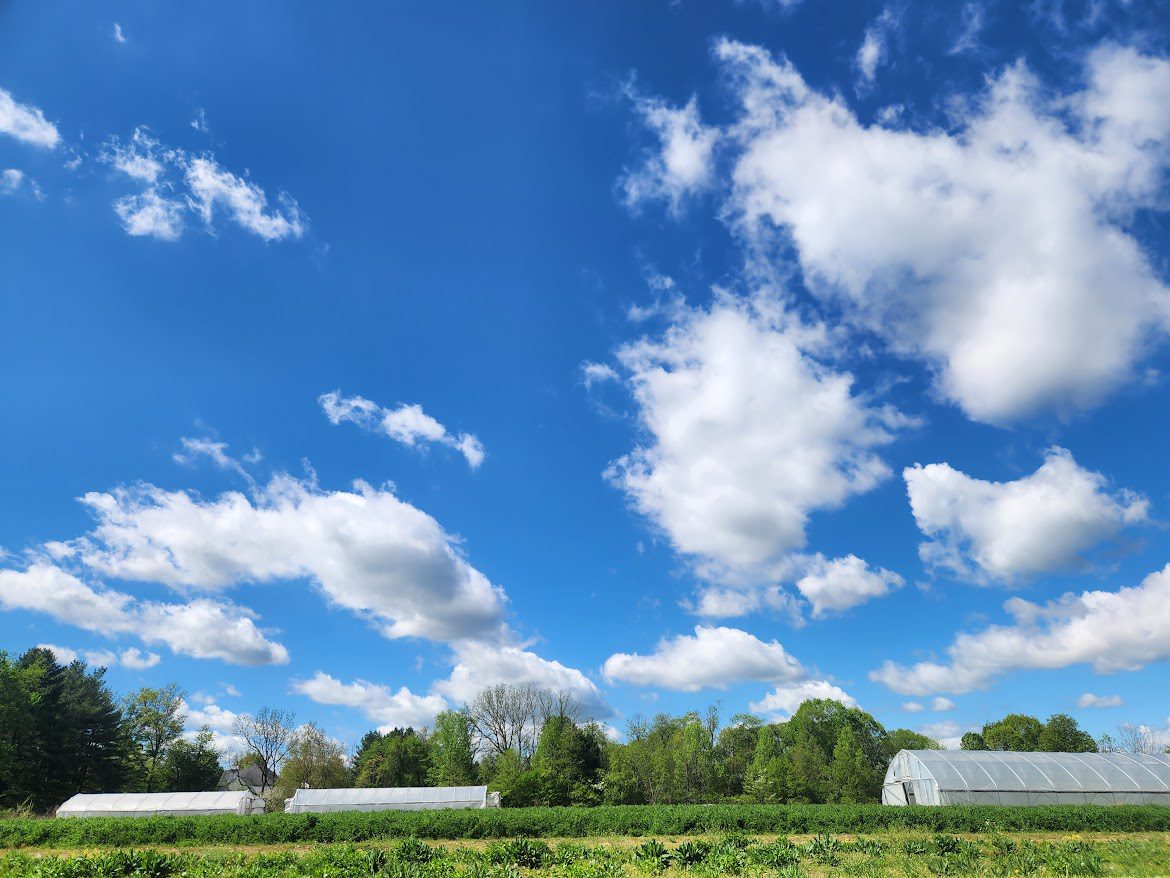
[[1000, 777], [390, 799], [153, 804]]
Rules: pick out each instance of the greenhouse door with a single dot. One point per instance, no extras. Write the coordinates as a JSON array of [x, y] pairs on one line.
[[908, 789]]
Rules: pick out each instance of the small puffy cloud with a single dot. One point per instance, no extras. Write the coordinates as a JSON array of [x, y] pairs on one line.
[[26, 123], [478, 664], [201, 628], [1005, 530], [942, 705], [1110, 631], [1088, 699], [380, 704], [365, 549], [683, 162], [407, 424], [10, 180], [840, 583], [912, 707], [783, 701], [711, 657], [119, 37], [150, 215], [748, 434], [980, 249]]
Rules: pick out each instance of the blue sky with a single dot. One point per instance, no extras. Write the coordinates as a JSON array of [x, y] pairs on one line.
[[668, 353]]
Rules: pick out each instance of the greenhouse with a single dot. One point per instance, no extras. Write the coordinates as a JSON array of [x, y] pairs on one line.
[[994, 777], [390, 799], [151, 804]]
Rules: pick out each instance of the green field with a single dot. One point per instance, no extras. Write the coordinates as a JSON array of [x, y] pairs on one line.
[[887, 854], [617, 821]]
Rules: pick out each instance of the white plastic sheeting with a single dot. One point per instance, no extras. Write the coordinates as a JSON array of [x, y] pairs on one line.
[[390, 799], [995, 777], [150, 804]]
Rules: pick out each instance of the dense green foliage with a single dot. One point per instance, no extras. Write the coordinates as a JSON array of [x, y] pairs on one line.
[[938, 854], [60, 731], [1026, 734], [638, 821]]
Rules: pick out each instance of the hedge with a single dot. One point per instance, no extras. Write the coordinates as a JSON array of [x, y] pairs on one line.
[[624, 820]]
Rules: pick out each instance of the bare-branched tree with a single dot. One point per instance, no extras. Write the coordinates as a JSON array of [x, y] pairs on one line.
[[509, 716], [267, 737]]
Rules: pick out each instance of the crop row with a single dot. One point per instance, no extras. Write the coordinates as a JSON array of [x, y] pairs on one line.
[[733, 855], [628, 820]]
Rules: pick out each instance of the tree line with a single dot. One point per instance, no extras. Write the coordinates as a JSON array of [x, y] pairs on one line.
[[63, 731]]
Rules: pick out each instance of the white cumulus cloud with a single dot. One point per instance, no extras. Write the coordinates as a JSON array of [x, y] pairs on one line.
[[1004, 530], [1123, 630], [835, 585], [380, 704], [200, 628], [783, 701], [747, 434], [366, 550], [711, 657], [980, 249]]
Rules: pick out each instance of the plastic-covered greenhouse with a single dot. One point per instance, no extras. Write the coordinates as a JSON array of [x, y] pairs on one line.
[[994, 777], [391, 799], [150, 804]]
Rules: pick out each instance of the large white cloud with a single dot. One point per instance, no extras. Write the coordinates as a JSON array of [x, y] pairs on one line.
[[747, 434], [407, 424], [711, 657], [381, 704], [200, 628], [367, 551], [1002, 530], [26, 123], [1123, 630], [982, 249]]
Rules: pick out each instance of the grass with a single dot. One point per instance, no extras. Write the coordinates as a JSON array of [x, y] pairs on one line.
[[867, 855]]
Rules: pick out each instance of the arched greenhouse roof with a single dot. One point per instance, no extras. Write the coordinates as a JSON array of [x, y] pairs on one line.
[[147, 804], [940, 777], [388, 798]]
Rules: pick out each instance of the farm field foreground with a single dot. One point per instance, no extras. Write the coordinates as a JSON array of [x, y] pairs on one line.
[[903, 853]]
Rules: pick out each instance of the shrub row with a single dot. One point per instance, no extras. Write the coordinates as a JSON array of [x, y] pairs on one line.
[[624, 820], [733, 855]]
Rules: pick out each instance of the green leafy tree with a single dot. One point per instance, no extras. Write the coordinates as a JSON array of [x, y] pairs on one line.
[[854, 778], [1062, 734], [765, 777], [154, 721], [314, 761], [399, 758], [191, 766], [452, 754], [972, 741], [1016, 731], [904, 739], [735, 751]]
